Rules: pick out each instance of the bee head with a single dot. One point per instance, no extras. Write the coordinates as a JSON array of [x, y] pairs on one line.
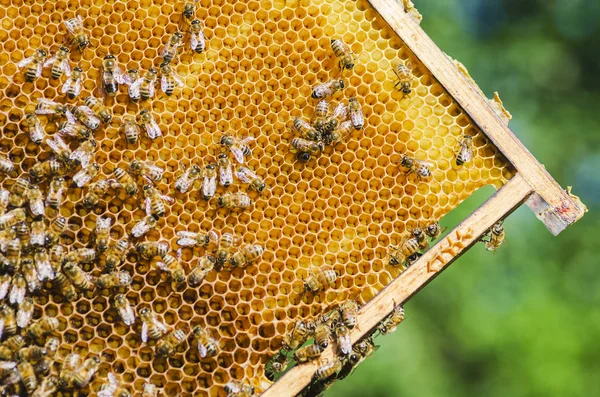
[[147, 187], [342, 84], [349, 66], [417, 231], [432, 229], [77, 69], [196, 22], [109, 56], [152, 70], [41, 52], [178, 35], [223, 156], [406, 90], [64, 49], [303, 156], [144, 311]]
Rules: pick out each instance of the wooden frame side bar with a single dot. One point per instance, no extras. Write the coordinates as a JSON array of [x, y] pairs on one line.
[[436, 259], [558, 210]]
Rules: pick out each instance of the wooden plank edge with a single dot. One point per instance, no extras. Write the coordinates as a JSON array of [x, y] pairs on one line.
[[433, 262], [560, 210]]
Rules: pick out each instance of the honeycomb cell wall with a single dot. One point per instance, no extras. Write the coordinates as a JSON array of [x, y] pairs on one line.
[[341, 210]]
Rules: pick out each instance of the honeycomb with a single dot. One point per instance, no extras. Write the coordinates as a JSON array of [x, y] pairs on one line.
[[341, 210]]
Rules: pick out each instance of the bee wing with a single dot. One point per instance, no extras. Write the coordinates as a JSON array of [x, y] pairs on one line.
[[153, 130], [24, 62], [127, 314], [247, 140], [85, 109], [17, 294], [1, 327], [226, 175], [209, 187], [134, 88], [77, 87], [119, 76], [66, 86], [202, 350], [54, 144], [151, 90], [164, 84], [4, 289], [38, 70], [70, 118], [103, 222], [194, 41], [238, 154], [186, 234], [81, 178], [186, 242], [148, 206], [44, 270], [177, 80], [66, 67], [243, 174], [140, 228], [167, 198], [24, 317], [126, 79], [49, 61], [144, 334], [71, 26], [161, 325]]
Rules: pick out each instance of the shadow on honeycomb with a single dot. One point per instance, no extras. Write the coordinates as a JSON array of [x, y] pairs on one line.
[[341, 210]]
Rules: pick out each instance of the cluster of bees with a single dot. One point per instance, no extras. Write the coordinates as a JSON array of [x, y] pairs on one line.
[[328, 127]]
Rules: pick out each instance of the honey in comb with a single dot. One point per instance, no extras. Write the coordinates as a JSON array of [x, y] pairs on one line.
[[341, 210]]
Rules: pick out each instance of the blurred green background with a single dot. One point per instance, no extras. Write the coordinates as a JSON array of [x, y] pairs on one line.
[[526, 320]]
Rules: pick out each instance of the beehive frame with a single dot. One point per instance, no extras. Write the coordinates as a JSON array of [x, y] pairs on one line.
[[532, 185], [85, 326]]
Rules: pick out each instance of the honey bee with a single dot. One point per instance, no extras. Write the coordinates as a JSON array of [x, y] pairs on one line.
[[421, 168], [169, 79], [86, 174], [339, 114], [46, 169], [147, 169], [24, 235], [207, 345], [307, 353], [125, 310], [36, 201], [209, 186], [74, 130], [171, 265], [144, 86], [405, 77], [225, 170], [247, 176], [11, 218], [150, 249], [299, 334], [320, 280], [85, 115], [59, 63], [78, 277], [344, 53], [67, 372], [31, 353], [4, 199], [197, 38], [81, 255], [130, 129], [114, 280], [126, 181], [186, 180], [494, 237], [64, 286], [434, 230], [17, 290], [189, 8], [167, 345], [6, 236], [18, 192], [191, 239], [279, 363], [144, 226], [464, 154], [349, 311], [151, 327], [48, 107], [129, 78], [147, 122], [356, 115], [96, 191], [238, 146], [360, 351], [75, 28], [154, 203], [11, 346], [226, 242], [391, 322], [328, 369], [234, 201], [33, 65], [327, 89], [27, 376], [25, 312], [235, 388], [321, 113], [150, 390], [38, 234], [57, 254], [72, 87], [43, 265], [169, 51], [199, 272], [83, 154], [13, 255], [339, 134], [248, 254], [57, 226], [111, 75], [306, 130], [36, 130], [305, 149], [322, 335], [85, 373], [102, 233], [98, 108], [8, 322], [47, 387], [115, 254], [342, 334], [112, 388], [56, 192], [408, 247]]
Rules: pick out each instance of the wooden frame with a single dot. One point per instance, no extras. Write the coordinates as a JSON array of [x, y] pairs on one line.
[[555, 207]]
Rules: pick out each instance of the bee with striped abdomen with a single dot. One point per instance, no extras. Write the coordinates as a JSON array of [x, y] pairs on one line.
[[144, 86], [33, 65], [111, 75], [85, 373], [225, 170], [246, 255], [207, 345], [102, 233], [130, 129], [405, 77], [356, 115], [344, 53], [154, 201], [322, 111], [205, 265], [84, 153], [125, 181], [147, 122], [327, 89], [189, 8], [72, 87], [27, 376], [169, 79], [306, 130], [98, 108], [307, 353], [79, 279], [36, 202], [464, 153], [125, 310], [144, 226], [494, 237], [48, 107], [74, 130], [114, 280], [421, 168], [235, 201], [129, 78], [166, 346], [96, 191], [150, 249], [86, 174], [75, 28], [152, 327], [116, 254], [46, 169], [197, 38], [238, 146], [24, 313], [85, 115], [171, 265], [147, 169], [12, 217], [328, 369], [391, 322], [59, 63], [187, 179], [56, 192], [170, 50], [248, 176], [305, 149], [209, 185], [35, 128], [43, 265], [57, 226]]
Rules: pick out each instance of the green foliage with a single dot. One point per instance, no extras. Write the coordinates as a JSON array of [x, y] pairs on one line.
[[523, 321]]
